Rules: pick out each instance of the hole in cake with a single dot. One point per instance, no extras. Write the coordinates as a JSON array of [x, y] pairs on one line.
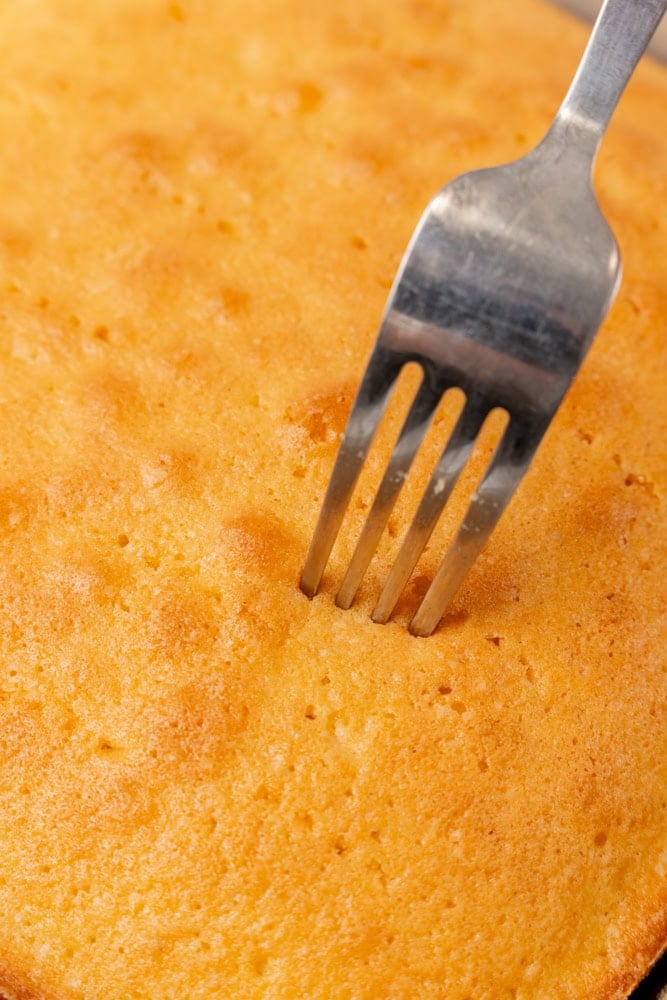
[[107, 749], [123, 540], [600, 839], [101, 333]]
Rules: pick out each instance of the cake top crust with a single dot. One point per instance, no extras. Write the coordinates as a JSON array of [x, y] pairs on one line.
[[211, 786]]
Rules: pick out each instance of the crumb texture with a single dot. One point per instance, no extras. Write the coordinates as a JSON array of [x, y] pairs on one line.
[[209, 785]]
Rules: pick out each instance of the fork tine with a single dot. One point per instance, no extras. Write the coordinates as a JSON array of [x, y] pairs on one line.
[[440, 486], [507, 467], [369, 405], [412, 433]]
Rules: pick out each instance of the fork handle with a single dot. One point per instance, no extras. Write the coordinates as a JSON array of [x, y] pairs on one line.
[[622, 31]]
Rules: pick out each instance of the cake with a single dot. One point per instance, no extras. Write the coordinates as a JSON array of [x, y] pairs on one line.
[[211, 786]]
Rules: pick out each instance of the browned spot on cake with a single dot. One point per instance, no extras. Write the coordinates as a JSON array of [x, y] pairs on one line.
[[322, 416], [112, 398], [266, 558], [200, 721], [192, 363], [141, 151], [101, 576], [31, 734], [256, 625], [234, 302], [176, 469], [604, 510], [301, 98], [72, 592], [24, 986], [310, 97], [262, 545], [176, 12], [77, 491], [14, 243], [105, 797], [210, 145], [183, 624], [18, 504]]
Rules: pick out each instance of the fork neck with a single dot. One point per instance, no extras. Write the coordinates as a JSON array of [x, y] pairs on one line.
[[622, 31]]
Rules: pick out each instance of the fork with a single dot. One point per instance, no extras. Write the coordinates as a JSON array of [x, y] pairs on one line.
[[503, 286]]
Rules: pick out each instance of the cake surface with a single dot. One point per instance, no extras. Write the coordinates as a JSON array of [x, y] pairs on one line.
[[211, 786]]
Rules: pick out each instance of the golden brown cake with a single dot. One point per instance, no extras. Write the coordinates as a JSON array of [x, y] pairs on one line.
[[210, 786]]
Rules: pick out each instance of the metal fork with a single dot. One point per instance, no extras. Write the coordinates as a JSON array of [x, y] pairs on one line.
[[501, 291]]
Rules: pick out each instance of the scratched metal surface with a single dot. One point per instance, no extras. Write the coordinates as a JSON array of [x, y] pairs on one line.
[[589, 8]]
